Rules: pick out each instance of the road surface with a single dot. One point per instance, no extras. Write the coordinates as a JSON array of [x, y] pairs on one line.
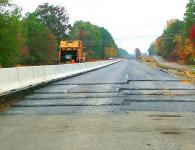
[[127, 105]]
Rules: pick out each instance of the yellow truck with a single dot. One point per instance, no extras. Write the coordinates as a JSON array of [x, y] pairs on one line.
[[71, 51]]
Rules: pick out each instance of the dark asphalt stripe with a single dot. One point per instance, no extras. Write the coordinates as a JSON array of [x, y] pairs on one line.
[[163, 80], [153, 89], [112, 104], [88, 83]]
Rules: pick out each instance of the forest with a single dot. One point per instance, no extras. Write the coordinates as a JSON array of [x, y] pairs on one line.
[[34, 39], [177, 42]]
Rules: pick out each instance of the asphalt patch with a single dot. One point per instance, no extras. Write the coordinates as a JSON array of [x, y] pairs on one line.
[[166, 116]]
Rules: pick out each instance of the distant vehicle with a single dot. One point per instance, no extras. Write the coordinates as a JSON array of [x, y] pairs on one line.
[[110, 58], [71, 51]]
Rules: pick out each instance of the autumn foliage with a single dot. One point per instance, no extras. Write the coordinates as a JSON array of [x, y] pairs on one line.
[[181, 49], [177, 43], [192, 33], [110, 52], [34, 38], [99, 43]]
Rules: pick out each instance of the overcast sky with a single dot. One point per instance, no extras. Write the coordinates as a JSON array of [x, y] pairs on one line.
[[132, 23]]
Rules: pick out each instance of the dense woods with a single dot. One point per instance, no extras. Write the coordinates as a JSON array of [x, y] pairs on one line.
[[98, 41], [34, 39], [177, 43]]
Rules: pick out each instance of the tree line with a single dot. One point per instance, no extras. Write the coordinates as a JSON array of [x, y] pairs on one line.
[[177, 43], [98, 41], [34, 39]]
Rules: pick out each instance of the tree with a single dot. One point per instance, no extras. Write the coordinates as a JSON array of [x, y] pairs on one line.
[[41, 42], [189, 17], [189, 42], [91, 36], [178, 39], [55, 18], [98, 41], [10, 9], [10, 28], [110, 52], [9, 48], [152, 49], [123, 53], [108, 42], [137, 52], [3, 3], [167, 47]]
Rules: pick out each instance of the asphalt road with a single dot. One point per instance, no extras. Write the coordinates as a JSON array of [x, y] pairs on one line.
[[122, 87], [127, 105]]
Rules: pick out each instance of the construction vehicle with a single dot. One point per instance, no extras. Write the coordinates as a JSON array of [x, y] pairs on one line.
[[71, 51]]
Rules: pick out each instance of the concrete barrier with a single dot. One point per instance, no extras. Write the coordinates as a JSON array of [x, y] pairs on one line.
[[14, 79], [39, 74], [26, 76], [9, 80]]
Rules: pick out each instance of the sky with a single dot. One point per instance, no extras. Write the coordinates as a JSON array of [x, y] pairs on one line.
[[132, 23]]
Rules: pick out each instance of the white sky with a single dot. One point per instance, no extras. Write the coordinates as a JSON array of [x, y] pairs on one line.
[[132, 23]]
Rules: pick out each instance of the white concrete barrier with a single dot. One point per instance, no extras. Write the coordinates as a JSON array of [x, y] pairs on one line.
[[13, 79], [9, 80], [26, 76], [39, 73], [50, 72]]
